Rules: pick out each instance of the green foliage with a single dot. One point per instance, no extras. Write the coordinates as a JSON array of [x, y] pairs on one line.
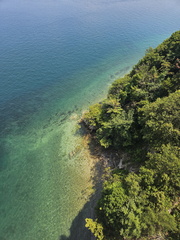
[[160, 120], [120, 88], [116, 212], [139, 205], [142, 115], [92, 117], [95, 227], [127, 210], [165, 163], [117, 120], [115, 131], [174, 235]]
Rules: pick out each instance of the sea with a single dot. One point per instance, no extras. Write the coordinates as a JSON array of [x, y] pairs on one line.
[[57, 57]]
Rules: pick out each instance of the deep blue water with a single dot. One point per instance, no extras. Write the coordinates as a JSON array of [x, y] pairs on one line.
[[56, 58]]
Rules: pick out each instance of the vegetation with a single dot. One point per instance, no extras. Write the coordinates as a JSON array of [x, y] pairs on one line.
[[142, 115]]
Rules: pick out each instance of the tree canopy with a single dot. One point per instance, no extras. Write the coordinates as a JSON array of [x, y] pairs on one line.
[[142, 114]]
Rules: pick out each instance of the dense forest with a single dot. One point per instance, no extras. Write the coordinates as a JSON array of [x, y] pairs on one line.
[[141, 115]]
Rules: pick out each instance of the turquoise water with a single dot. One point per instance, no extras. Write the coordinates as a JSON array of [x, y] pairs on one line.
[[57, 58]]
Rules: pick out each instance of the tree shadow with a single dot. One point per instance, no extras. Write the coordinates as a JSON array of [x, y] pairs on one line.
[[78, 231], [107, 159]]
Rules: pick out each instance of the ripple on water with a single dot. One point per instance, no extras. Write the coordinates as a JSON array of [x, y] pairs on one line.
[[57, 57]]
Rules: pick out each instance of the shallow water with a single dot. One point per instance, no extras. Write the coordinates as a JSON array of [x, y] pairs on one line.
[[57, 58]]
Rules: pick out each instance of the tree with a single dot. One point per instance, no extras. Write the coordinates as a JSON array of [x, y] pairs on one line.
[[160, 120]]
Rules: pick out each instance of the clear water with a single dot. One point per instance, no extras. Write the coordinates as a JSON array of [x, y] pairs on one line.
[[56, 58]]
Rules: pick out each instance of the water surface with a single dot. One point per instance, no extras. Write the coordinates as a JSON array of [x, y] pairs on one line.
[[56, 58]]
